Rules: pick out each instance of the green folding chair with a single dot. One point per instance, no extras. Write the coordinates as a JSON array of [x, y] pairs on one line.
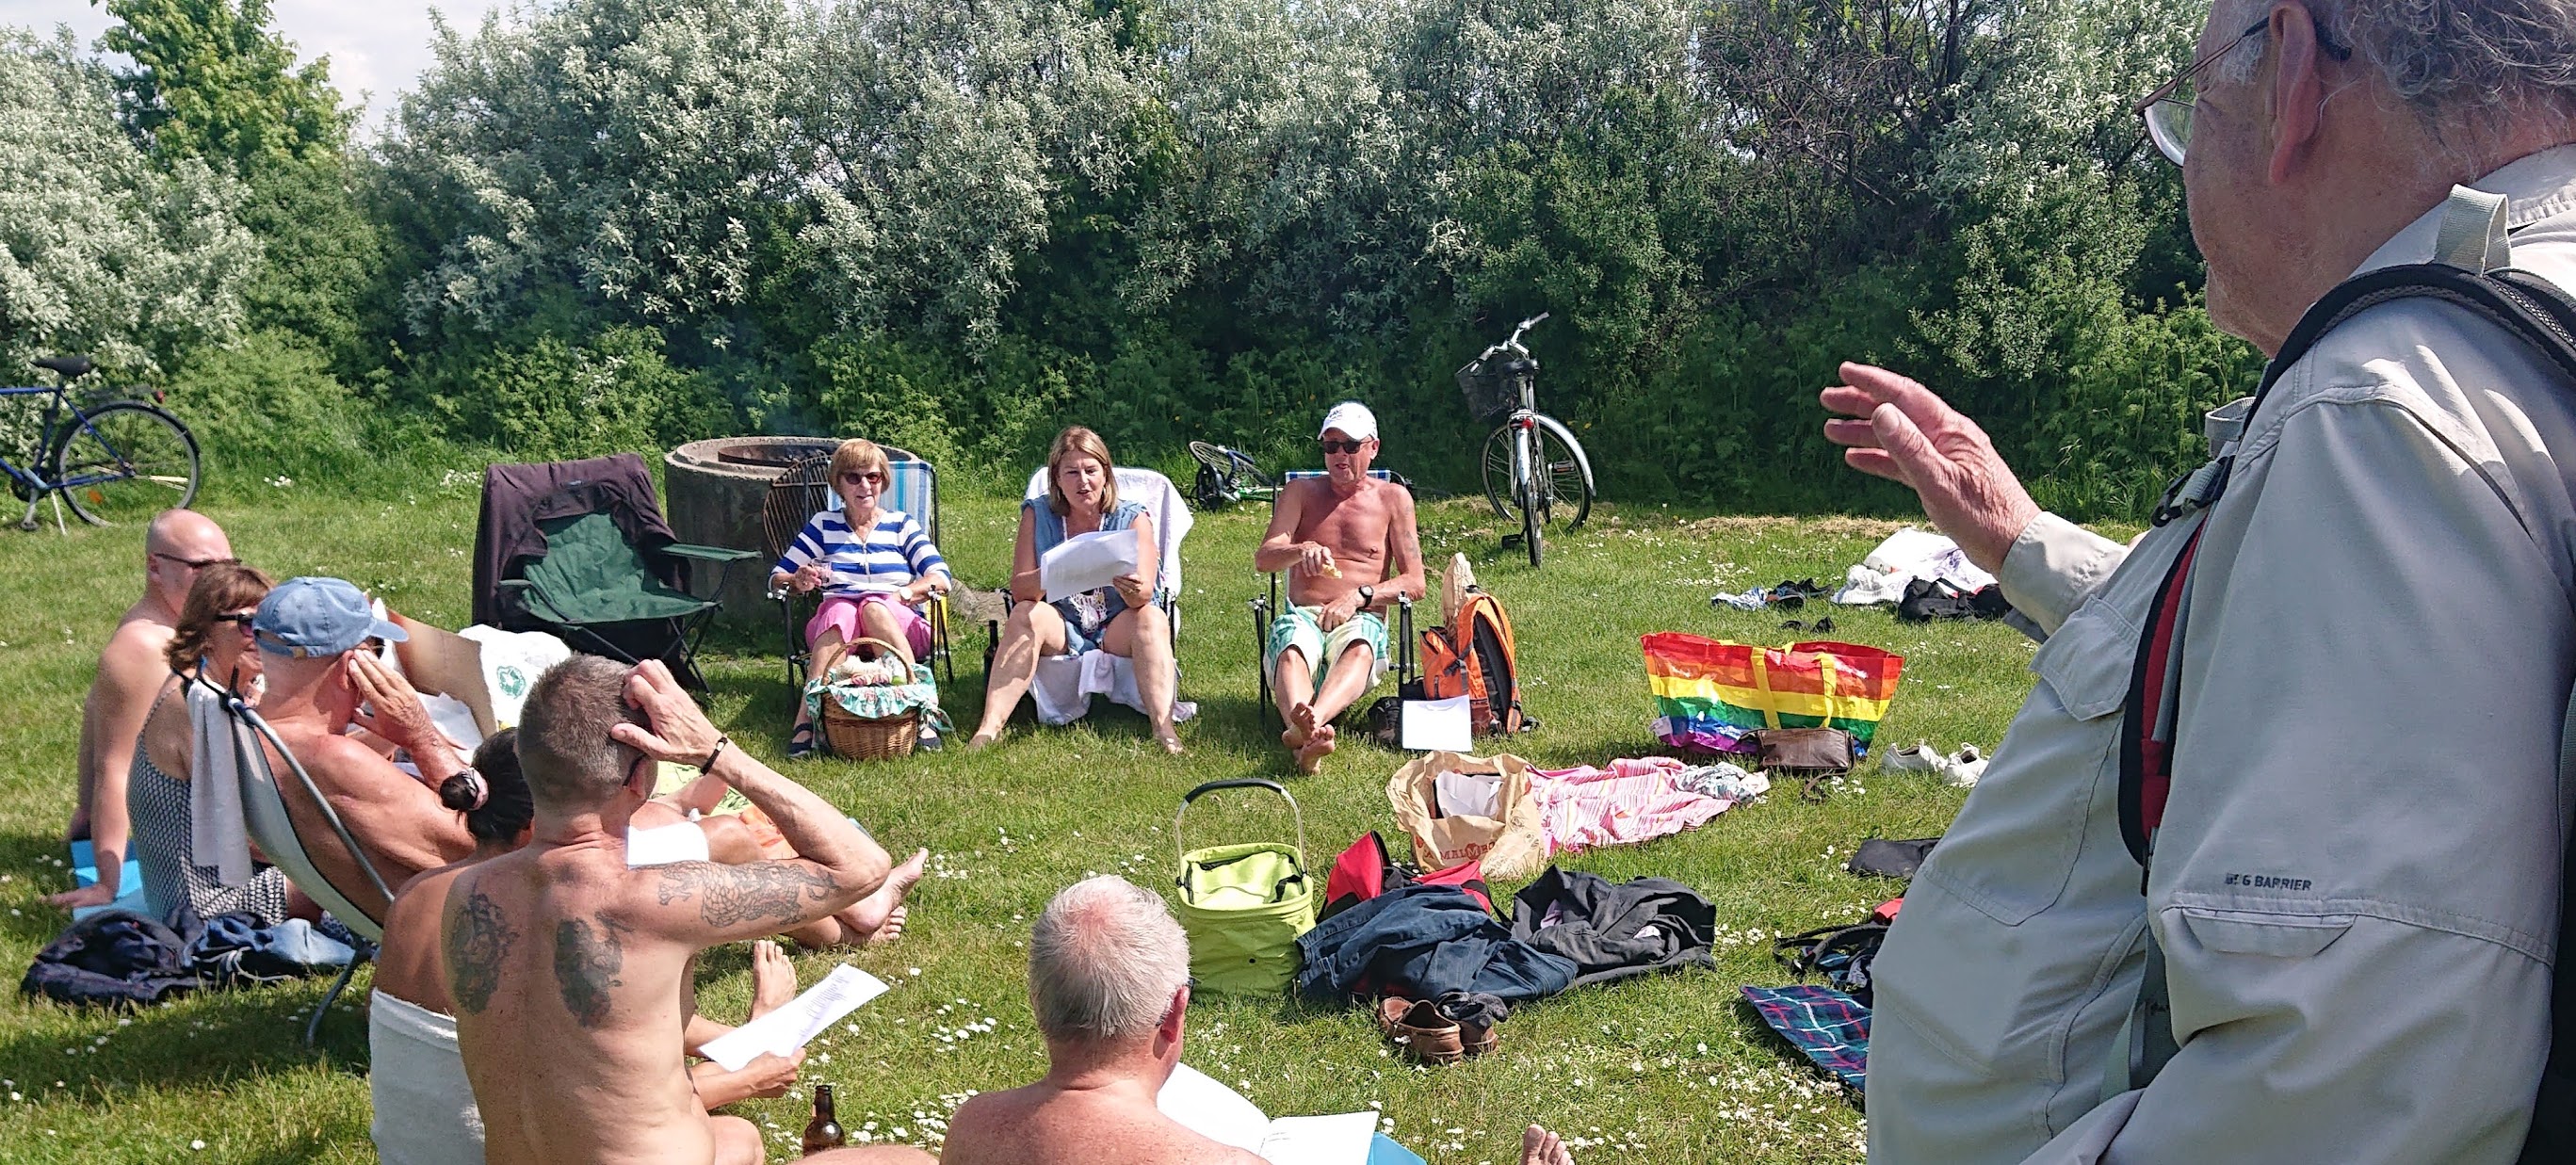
[[594, 584]]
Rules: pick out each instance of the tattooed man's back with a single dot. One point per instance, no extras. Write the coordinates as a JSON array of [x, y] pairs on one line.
[[570, 971]]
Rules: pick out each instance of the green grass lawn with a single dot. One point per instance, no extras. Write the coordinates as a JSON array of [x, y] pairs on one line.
[[1667, 1069]]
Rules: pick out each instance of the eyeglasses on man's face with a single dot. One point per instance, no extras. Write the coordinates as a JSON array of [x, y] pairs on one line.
[[1332, 446], [195, 563], [2167, 111]]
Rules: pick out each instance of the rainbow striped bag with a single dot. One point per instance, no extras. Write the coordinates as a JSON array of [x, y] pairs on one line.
[[1710, 693]]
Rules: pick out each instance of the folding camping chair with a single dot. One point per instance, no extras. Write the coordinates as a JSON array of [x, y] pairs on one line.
[[1264, 610], [804, 490], [1062, 690], [272, 830], [580, 549]]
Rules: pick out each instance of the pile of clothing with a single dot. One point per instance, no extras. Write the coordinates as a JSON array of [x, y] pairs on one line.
[[1438, 944], [120, 958], [1906, 557], [1788, 596], [1634, 800]]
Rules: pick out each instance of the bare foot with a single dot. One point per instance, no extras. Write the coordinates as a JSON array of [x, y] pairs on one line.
[[977, 742], [1171, 741], [1541, 1147], [1311, 756], [773, 978], [882, 910], [1301, 728]]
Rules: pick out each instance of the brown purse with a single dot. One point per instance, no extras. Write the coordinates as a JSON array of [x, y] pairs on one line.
[[1813, 755]]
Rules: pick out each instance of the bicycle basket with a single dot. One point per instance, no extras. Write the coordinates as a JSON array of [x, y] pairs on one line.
[[1489, 394]]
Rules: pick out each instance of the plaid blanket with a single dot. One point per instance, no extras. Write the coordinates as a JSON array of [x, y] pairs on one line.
[[1831, 1028]]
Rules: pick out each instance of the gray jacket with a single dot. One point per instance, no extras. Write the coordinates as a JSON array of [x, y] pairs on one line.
[[2356, 883]]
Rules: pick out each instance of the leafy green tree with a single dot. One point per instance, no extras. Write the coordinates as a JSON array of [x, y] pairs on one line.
[[211, 81], [100, 251]]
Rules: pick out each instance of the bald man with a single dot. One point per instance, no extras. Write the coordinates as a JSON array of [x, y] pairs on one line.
[[177, 545]]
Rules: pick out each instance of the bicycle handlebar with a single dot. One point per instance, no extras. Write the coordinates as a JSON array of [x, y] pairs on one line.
[[1513, 344]]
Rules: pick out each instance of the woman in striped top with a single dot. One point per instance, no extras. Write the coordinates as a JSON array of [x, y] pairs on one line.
[[874, 566]]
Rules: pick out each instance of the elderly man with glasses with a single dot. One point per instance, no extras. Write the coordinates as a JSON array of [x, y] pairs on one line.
[[2345, 792], [1348, 543], [176, 545]]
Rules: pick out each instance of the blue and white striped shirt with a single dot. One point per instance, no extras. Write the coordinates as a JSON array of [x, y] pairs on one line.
[[892, 554]]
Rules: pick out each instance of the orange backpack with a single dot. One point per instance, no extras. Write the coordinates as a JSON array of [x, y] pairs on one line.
[[1473, 658]]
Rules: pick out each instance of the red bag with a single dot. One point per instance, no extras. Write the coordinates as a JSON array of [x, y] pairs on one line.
[[1366, 870]]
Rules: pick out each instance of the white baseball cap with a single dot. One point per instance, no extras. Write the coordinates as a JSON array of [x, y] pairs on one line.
[[1353, 419]]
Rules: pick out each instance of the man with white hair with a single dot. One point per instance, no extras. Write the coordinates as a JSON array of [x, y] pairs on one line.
[[1348, 543], [177, 545], [2344, 785], [1109, 979]]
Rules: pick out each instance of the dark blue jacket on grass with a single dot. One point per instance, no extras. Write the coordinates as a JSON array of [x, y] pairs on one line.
[[1424, 942]]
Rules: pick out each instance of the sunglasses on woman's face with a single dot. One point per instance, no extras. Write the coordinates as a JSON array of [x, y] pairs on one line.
[[855, 480], [238, 618]]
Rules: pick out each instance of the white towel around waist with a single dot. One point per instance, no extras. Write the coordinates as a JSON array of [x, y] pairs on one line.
[[425, 1113]]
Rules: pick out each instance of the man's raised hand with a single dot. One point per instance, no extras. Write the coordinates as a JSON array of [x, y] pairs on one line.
[[1900, 430], [678, 732], [394, 709]]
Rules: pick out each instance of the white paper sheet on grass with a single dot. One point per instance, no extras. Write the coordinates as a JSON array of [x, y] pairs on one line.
[[789, 1028], [1088, 562], [1438, 724], [1221, 1114]]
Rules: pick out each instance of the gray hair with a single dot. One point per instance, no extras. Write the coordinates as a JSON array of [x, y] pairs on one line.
[[570, 761], [1105, 961], [2485, 58]]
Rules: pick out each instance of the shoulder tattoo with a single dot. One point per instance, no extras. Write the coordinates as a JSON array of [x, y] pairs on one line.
[[586, 965], [478, 938], [731, 895]]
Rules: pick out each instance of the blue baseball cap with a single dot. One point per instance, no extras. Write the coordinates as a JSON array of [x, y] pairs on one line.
[[309, 616]]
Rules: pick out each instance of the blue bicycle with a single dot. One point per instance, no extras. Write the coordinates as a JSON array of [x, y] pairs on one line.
[[118, 461]]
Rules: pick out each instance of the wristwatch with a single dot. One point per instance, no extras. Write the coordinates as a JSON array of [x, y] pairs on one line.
[[1368, 597]]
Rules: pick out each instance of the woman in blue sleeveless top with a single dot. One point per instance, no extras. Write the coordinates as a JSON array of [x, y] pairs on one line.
[[1121, 619]]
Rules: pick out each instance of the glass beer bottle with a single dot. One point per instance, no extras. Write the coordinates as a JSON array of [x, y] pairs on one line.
[[824, 1131]]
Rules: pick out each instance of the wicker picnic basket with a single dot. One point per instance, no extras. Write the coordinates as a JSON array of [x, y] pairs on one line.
[[857, 737]]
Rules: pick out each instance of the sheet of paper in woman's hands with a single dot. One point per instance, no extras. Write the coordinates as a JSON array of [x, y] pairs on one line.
[[791, 1027], [1088, 562]]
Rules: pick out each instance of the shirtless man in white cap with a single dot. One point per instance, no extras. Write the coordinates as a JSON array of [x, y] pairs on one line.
[[1348, 544]]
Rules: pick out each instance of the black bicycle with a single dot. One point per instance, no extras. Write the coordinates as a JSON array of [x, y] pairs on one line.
[[118, 461], [1531, 459]]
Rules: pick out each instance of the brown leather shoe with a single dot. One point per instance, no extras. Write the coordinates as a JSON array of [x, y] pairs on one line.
[[1478, 1039], [1431, 1037]]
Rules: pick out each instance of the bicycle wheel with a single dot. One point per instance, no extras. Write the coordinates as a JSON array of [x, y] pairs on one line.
[[1498, 470], [1533, 503], [1567, 473], [125, 462]]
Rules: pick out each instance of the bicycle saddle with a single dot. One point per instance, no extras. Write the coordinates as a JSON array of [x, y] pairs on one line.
[[72, 367]]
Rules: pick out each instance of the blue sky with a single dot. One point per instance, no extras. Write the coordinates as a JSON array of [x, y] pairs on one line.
[[375, 46]]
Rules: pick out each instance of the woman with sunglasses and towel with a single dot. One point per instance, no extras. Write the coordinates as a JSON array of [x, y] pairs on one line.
[[874, 566], [1121, 619], [189, 835]]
